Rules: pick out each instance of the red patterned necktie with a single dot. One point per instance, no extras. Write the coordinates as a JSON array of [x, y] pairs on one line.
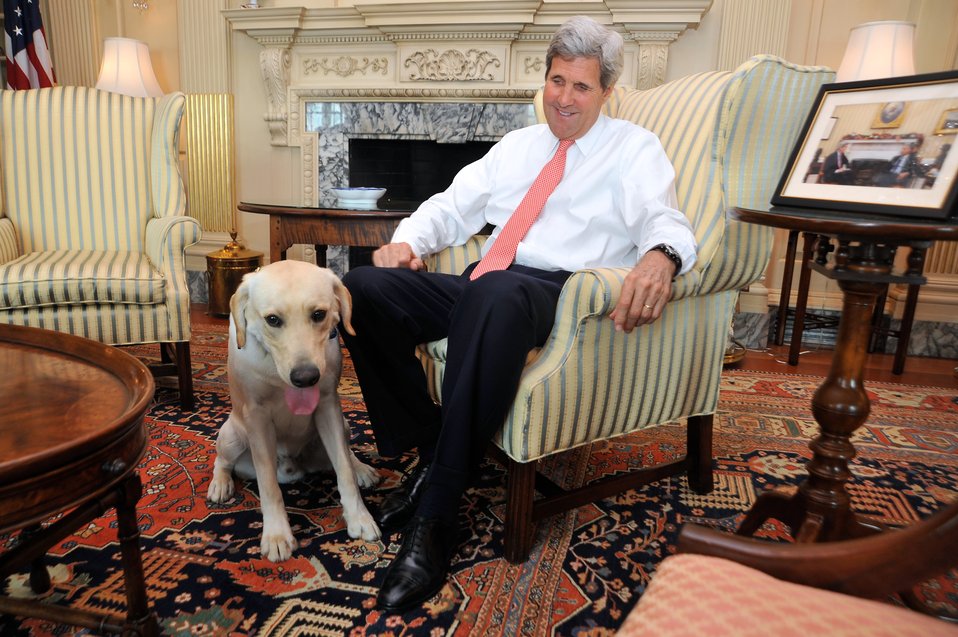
[[503, 250]]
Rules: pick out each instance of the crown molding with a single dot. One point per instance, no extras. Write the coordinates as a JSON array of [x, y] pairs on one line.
[[495, 19]]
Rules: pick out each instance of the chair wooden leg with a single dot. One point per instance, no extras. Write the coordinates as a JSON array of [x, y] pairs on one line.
[[175, 361], [184, 373], [699, 452], [520, 526], [523, 510]]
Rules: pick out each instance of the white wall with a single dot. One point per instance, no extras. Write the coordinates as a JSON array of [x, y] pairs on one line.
[[696, 50]]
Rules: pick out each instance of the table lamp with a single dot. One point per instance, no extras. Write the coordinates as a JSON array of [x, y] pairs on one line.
[[878, 49], [126, 69]]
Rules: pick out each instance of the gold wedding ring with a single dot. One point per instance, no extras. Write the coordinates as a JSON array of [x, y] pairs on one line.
[[648, 307]]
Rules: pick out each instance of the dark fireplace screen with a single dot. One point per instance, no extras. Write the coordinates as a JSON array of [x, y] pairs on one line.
[[411, 170]]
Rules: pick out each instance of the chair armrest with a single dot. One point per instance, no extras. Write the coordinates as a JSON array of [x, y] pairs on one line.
[[9, 245], [166, 240], [596, 291], [587, 295], [872, 566]]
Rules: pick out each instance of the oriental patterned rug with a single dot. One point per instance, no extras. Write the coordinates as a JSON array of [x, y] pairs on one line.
[[588, 568]]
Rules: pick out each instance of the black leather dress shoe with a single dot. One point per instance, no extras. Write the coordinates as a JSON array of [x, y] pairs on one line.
[[420, 567], [399, 506]]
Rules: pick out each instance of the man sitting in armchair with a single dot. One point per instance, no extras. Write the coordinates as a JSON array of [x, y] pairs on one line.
[[605, 196], [901, 170]]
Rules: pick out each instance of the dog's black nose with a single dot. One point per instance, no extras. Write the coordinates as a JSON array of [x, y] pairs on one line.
[[304, 376]]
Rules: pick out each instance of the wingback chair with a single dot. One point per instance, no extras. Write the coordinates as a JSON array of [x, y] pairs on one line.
[[728, 135], [92, 223]]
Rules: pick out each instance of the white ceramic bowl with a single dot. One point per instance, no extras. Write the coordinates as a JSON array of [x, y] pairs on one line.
[[363, 198]]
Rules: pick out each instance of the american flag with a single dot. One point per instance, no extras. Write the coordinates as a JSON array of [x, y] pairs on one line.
[[28, 58]]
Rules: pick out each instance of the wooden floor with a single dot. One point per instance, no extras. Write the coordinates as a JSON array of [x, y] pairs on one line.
[[815, 361]]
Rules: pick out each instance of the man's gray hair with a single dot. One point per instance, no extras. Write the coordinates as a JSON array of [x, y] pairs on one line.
[[582, 37]]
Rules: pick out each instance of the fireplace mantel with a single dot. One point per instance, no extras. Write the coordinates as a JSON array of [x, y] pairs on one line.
[[456, 51]]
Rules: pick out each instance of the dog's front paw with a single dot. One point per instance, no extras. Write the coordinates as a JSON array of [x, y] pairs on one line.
[[278, 547], [366, 476], [221, 487], [361, 524]]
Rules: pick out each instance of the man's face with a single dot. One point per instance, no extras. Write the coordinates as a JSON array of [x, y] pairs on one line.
[[573, 96]]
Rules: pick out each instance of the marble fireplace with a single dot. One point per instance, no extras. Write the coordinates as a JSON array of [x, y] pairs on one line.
[[336, 123], [333, 125]]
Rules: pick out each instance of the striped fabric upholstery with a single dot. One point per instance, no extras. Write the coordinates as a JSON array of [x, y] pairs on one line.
[[92, 223], [9, 246], [728, 135], [455, 260], [79, 276], [68, 152]]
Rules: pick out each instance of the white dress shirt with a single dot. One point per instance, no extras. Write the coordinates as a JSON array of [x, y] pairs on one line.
[[615, 201]]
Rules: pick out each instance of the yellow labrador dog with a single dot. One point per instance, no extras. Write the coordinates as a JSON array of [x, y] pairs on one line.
[[284, 366]]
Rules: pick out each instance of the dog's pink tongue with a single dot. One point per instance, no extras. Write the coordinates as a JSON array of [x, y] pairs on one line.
[[302, 401]]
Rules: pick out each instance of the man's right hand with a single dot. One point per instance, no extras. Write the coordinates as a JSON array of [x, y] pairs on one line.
[[397, 255]]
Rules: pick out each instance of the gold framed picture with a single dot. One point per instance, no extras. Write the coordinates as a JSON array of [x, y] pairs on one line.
[[948, 123], [890, 115]]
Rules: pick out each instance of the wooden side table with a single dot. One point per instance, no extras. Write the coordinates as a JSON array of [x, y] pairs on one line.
[[71, 436], [289, 225], [821, 510]]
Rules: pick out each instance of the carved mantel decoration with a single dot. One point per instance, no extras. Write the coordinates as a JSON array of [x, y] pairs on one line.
[[345, 65], [454, 51], [452, 65]]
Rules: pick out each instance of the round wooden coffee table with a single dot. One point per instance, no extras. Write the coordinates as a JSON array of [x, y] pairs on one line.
[[71, 435]]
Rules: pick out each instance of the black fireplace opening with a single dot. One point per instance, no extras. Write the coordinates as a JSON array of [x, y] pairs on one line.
[[411, 170]]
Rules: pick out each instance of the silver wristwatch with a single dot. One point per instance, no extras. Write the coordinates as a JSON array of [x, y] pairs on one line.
[[673, 256]]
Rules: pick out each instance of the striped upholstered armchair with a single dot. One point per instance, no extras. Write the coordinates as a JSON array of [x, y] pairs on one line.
[[92, 223], [728, 135]]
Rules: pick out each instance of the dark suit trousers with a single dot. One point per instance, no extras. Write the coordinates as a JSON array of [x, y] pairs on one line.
[[491, 324]]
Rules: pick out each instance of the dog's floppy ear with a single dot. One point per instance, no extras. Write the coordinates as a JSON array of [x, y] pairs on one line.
[[238, 310], [345, 305]]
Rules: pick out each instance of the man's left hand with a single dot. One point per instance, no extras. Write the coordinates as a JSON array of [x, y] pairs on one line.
[[645, 291]]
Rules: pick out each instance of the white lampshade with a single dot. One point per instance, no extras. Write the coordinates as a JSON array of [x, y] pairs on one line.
[[126, 69], [878, 49]]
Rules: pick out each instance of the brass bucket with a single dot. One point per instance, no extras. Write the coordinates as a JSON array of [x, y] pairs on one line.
[[224, 272]]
